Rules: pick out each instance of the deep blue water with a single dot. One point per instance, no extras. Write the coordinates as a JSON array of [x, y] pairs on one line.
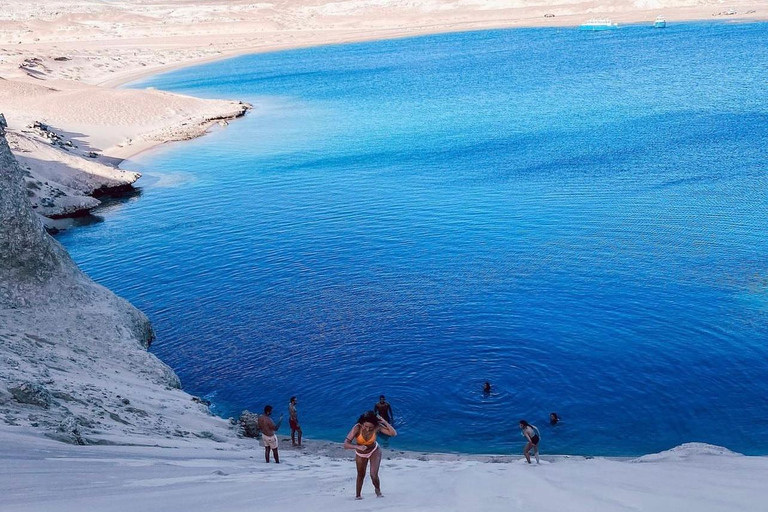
[[579, 218]]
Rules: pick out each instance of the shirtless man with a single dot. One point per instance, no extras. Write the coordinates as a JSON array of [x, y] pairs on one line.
[[269, 433], [383, 409], [293, 421]]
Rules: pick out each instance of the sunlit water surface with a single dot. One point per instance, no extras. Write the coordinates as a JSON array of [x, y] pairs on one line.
[[579, 218]]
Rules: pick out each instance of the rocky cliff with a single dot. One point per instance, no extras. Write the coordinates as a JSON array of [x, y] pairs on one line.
[[73, 358]]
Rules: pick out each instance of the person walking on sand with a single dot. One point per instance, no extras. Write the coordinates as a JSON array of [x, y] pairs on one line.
[[269, 433], [293, 421], [531, 434], [363, 434], [383, 409]]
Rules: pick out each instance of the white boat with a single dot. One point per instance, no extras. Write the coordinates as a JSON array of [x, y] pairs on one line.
[[598, 24], [660, 22]]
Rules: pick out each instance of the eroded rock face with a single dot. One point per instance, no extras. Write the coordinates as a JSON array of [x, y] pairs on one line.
[[71, 351], [32, 393], [35, 270], [28, 258]]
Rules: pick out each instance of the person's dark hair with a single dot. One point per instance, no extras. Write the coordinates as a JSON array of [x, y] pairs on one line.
[[525, 423], [368, 417], [293, 398], [267, 409], [382, 396]]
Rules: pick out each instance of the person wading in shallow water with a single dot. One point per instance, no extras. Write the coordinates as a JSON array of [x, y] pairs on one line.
[[293, 421], [363, 434], [383, 409], [269, 433], [531, 434]]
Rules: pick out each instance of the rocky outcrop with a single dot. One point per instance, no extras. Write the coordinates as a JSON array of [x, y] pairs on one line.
[[73, 355], [31, 393], [249, 424], [61, 182], [29, 259]]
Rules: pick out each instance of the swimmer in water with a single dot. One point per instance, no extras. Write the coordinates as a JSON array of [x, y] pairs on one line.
[[383, 409], [487, 388], [553, 418], [531, 434], [363, 435]]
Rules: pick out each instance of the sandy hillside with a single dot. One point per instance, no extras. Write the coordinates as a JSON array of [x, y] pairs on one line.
[[208, 477]]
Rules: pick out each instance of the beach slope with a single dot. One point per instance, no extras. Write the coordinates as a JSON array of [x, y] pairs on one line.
[[209, 477]]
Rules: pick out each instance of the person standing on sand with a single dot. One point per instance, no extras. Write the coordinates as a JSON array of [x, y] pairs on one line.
[[383, 409], [367, 449], [531, 433], [293, 421], [269, 433]]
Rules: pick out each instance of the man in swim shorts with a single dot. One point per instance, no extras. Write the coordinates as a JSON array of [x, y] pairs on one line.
[[383, 409], [293, 421], [269, 433]]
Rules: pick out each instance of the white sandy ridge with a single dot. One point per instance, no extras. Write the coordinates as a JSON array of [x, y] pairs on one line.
[[208, 477]]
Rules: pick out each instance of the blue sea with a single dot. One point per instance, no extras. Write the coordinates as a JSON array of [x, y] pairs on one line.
[[579, 218]]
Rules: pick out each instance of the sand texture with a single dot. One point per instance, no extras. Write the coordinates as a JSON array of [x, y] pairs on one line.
[[204, 476]]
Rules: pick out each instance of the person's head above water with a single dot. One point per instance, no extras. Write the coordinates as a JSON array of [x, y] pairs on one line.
[[553, 418], [267, 410], [487, 387], [382, 398]]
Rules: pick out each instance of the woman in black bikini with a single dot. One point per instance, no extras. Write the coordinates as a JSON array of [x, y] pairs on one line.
[[367, 449]]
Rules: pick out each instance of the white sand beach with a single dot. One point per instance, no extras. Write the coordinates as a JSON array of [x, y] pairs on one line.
[[60, 64], [208, 477], [91, 420]]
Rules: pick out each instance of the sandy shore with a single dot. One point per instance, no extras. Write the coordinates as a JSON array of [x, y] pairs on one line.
[[203, 476], [61, 64]]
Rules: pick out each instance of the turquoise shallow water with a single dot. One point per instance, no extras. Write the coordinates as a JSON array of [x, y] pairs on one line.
[[579, 218]]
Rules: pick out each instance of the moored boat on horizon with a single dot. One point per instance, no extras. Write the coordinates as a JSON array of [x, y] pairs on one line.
[[660, 22], [598, 24]]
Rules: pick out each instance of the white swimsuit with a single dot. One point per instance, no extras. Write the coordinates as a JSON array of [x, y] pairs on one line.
[[367, 455]]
